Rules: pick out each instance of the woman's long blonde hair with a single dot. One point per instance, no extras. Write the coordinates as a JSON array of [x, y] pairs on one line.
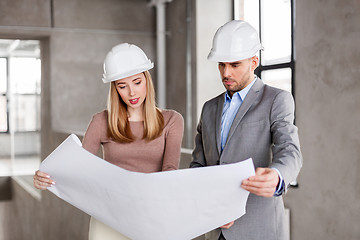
[[118, 123]]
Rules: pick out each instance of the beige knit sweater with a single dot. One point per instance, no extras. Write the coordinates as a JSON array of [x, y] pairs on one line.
[[160, 154]]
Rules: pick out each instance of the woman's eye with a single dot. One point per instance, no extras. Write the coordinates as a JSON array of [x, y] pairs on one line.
[[121, 87], [137, 83]]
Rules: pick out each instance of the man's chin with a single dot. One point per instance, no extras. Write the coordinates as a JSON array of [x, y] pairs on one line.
[[232, 89]]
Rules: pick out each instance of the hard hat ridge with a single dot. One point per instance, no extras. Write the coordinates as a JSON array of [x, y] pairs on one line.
[[125, 60], [234, 41]]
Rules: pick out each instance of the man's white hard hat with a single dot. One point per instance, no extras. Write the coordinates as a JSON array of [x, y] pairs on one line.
[[125, 60], [235, 41]]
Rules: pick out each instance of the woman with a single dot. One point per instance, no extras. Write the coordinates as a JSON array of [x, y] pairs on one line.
[[133, 132]]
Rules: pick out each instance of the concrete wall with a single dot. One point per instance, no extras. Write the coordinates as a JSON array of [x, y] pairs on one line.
[[326, 205], [176, 56], [210, 15], [75, 36], [25, 217], [86, 32], [5, 145], [180, 15]]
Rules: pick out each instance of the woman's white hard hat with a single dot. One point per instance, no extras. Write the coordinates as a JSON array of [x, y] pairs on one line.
[[125, 60], [235, 41]]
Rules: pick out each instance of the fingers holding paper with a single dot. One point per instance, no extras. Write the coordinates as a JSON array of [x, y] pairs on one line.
[[263, 183], [227, 226], [42, 180]]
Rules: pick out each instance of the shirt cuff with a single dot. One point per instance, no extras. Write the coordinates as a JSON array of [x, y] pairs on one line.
[[280, 187]]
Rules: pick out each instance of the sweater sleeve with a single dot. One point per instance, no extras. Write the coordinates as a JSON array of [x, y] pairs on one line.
[[95, 131], [173, 139]]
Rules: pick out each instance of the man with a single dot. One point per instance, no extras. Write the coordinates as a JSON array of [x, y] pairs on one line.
[[249, 120]]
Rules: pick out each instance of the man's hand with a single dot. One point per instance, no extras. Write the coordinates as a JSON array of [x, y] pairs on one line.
[[228, 225], [263, 183]]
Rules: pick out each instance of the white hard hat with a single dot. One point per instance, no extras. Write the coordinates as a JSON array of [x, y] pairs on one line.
[[125, 60], [234, 41]]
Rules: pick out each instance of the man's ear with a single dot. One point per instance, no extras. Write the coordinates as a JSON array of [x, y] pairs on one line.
[[254, 62]]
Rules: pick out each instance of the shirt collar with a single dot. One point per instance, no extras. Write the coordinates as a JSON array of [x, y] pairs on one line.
[[242, 93]]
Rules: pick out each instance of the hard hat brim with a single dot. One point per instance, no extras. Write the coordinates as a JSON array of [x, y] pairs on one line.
[[140, 69], [234, 56]]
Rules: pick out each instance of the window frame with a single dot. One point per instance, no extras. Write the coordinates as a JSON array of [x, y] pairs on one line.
[[6, 97], [37, 95], [284, 65], [291, 63]]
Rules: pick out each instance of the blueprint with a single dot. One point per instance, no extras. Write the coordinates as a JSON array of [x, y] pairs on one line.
[[177, 205]]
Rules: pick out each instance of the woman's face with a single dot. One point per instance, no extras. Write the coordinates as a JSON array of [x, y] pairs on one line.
[[132, 90]]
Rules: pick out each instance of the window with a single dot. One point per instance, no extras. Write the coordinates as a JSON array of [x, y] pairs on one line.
[[24, 92], [20, 78], [20, 74], [25, 88], [3, 99], [274, 21], [280, 78]]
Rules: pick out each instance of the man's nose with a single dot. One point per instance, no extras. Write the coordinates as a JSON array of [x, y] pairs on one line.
[[227, 71]]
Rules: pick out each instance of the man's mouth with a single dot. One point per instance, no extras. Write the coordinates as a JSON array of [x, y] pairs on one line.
[[228, 82]]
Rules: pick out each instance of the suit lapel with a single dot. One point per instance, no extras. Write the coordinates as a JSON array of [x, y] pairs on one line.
[[248, 102], [220, 106]]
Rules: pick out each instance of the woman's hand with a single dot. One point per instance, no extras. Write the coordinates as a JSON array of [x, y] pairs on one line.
[[42, 180]]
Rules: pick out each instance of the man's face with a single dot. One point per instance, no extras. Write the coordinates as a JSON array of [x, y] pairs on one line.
[[237, 75]]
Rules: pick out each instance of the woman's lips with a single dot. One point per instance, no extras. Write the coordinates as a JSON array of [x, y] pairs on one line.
[[134, 101]]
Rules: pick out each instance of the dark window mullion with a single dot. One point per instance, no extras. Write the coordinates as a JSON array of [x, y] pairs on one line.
[[260, 31], [292, 8], [7, 94], [290, 64], [276, 66]]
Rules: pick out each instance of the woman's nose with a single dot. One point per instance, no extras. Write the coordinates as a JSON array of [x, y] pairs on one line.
[[131, 91]]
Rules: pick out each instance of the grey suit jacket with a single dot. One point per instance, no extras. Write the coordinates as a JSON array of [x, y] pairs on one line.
[[263, 130]]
